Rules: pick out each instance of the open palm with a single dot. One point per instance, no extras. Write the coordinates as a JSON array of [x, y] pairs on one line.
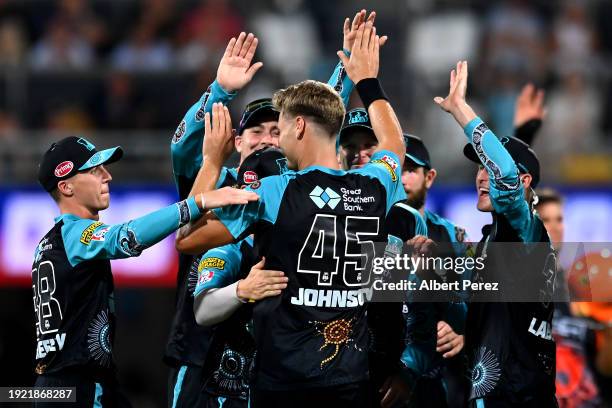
[[458, 88], [235, 69]]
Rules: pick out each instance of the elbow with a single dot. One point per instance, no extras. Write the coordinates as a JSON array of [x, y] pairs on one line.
[[185, 246]]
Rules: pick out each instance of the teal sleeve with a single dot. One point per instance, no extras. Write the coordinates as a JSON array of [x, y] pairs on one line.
[[239, 218], [505, 187], [186, 146], [86, 239], [384, 166], [218, 268], [341, 82]]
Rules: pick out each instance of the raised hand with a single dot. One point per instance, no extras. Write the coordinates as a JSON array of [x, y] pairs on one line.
[[364, 60], [261, 283], [529, 105], [225, 196], [235, 69], [218, 135], [350, 29], [455, 102]]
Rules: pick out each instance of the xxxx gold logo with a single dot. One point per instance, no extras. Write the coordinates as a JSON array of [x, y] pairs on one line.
[[88, 233], [212, 262]]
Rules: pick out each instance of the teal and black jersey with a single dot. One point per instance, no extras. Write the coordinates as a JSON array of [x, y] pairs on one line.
[[73, 285], [510, 345], [188, 343], [319, 227], [228, 363]]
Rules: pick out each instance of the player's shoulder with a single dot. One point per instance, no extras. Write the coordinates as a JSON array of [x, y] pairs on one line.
[[82, 229], [454, 230], [381, 161], [218, 258]]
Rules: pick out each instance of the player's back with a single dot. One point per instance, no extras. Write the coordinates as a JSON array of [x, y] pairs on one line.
[[320, 226]]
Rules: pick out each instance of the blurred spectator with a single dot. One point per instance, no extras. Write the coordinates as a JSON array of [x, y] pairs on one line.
[[142, 51], [574, 39], [514, 39], [574, 114], [204, 32], [60, 48], [13, 43], [69, 119], [9, 125], [119, 102], [288, 38], [82, 20]]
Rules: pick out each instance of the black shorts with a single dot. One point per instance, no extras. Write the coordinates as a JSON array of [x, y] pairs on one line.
[[355, 395], [91, 391], [185, 390]]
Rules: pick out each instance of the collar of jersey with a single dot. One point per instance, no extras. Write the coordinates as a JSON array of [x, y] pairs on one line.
[[323, 169], [71, 217]]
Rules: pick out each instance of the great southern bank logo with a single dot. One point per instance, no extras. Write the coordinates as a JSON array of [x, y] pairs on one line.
[[321, 197]]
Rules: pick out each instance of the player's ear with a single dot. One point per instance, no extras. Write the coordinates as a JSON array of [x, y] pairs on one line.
[[430, 176], [300, 126], [238, 142], [65, 188], [526, 180]]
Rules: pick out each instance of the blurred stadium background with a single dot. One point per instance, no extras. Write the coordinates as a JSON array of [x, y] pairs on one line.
[[125, 71]]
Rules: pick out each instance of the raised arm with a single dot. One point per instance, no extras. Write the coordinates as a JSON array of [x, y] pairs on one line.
[[362, 68], [529, 111], [234, 72]]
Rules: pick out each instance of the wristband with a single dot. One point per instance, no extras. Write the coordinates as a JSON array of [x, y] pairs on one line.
[[369, 90]]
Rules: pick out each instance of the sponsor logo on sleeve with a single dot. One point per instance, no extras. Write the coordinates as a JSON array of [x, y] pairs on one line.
[[100, 235], [211, 262], [390, 161], [180, 132], [255, 185], [205, 276], [87, 234], [387, 167], [63, 169]]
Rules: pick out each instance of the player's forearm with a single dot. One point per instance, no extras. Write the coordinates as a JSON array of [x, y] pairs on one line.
[[207, 177], [187, 141], [206, 233], [341, 82], [502, 170], [463, 114], [386, 126], [216, 305]]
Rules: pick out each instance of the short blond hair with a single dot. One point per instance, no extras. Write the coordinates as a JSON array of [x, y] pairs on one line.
[[314, 99]]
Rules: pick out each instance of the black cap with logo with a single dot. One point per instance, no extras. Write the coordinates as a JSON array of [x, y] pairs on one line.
[[70, 155], [416, 151], [255, 112], [353, 120], [524, 157], [265, 162]]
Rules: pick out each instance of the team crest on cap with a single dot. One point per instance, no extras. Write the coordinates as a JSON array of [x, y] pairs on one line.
[[358, 116], [63, 169], [86, 143]]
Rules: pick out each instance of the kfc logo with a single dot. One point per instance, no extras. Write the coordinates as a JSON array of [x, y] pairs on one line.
[[63, 169], [250, 177]]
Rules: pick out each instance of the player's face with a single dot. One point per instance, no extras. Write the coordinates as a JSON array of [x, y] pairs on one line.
[[482, 187], [357, 149], [91, 188], [551, 215], [264, 134], [416, 183]]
